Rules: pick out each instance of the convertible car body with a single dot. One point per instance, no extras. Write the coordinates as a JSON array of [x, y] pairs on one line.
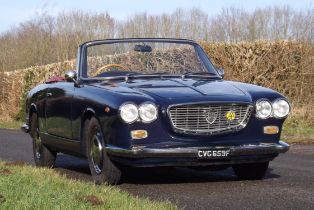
[[154, 103]]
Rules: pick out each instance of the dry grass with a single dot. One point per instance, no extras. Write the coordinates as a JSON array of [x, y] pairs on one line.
[[14, 84], [284, 66]]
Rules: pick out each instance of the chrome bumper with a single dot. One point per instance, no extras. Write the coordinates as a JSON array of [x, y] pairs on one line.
[[191, 152], [25, 128]]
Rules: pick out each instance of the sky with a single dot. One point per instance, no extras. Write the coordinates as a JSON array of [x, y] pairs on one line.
[[14, 12]]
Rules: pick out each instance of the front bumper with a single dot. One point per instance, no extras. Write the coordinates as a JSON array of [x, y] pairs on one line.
[[242, 150], [143, 156]]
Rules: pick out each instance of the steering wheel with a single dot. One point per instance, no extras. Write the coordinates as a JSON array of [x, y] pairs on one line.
[[120, 66]]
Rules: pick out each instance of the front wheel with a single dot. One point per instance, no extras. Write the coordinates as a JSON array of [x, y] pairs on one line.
[[250, 171], [42, 155], [102, 168]]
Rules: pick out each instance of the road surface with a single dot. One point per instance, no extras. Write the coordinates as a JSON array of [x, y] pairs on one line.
[[289, 183]]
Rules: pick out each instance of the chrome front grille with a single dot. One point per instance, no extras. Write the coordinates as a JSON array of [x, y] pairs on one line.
[[209, 119]]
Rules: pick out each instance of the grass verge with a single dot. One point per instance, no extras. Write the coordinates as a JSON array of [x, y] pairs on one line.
[[298, 134], [27, 187], [10, 124]]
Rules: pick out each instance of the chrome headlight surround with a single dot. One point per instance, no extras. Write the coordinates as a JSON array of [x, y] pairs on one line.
[[129, 112], [263, 108], [281, 108], [148, 112]]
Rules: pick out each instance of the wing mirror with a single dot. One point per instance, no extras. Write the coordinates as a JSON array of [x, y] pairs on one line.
[[70, 76], [221, 72]]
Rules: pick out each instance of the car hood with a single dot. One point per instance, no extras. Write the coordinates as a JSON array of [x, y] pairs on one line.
[[185, 90], [178, 88]]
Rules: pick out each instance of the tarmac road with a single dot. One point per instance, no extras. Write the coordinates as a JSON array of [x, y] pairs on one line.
[[289, 183]]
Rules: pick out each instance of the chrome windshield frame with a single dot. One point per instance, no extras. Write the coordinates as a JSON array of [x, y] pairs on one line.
[[82, 54]]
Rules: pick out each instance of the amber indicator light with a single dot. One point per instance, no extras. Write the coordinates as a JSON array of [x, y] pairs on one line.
[[139, 134], [271, 129]]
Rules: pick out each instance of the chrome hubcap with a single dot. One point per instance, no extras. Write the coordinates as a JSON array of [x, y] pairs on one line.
[[37, 144], [97, 152]]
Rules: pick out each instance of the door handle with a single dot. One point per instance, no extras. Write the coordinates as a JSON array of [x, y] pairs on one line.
[[48, 94]]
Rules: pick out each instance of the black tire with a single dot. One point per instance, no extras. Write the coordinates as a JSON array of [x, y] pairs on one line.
[[102, 168], [43, 156], [250, 171]]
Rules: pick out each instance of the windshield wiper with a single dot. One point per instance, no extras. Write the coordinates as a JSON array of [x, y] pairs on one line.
[[137, 75], [151, 75], [160, 74], [127, 76], [199, 74], [132, 75]]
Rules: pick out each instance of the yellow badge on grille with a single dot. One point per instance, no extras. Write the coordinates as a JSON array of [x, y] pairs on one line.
[[230, 115]]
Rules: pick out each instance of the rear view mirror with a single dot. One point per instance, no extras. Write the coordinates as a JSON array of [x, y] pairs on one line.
[[142, 48]]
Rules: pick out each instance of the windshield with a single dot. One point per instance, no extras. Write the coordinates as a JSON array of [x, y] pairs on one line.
[[147, 57]]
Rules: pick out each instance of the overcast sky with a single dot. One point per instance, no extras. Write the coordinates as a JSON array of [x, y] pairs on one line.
[[14, 12]]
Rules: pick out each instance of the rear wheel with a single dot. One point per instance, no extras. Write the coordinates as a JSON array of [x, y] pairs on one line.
[[250, 171], [42, 155], [102, 168]]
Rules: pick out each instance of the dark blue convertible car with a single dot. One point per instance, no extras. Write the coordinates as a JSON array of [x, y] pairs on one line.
[[154, 103]]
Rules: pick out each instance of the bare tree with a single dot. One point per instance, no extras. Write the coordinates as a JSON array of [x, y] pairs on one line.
[[46, 39]]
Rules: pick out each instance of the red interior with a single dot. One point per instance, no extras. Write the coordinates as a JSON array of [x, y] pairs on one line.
[[55, 79]]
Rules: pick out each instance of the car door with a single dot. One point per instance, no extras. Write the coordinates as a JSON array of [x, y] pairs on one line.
[[58, 109]]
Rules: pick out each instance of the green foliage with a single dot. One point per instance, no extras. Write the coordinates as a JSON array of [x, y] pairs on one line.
[[26, 187], [298, 134], [28, 83], [10, 124]]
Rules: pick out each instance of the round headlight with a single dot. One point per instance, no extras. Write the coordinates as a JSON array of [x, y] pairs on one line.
[[281, 108], [263, 109], [148, 112], [129, 112]]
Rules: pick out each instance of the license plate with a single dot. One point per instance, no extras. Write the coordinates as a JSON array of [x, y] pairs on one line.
[[213, 153]]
